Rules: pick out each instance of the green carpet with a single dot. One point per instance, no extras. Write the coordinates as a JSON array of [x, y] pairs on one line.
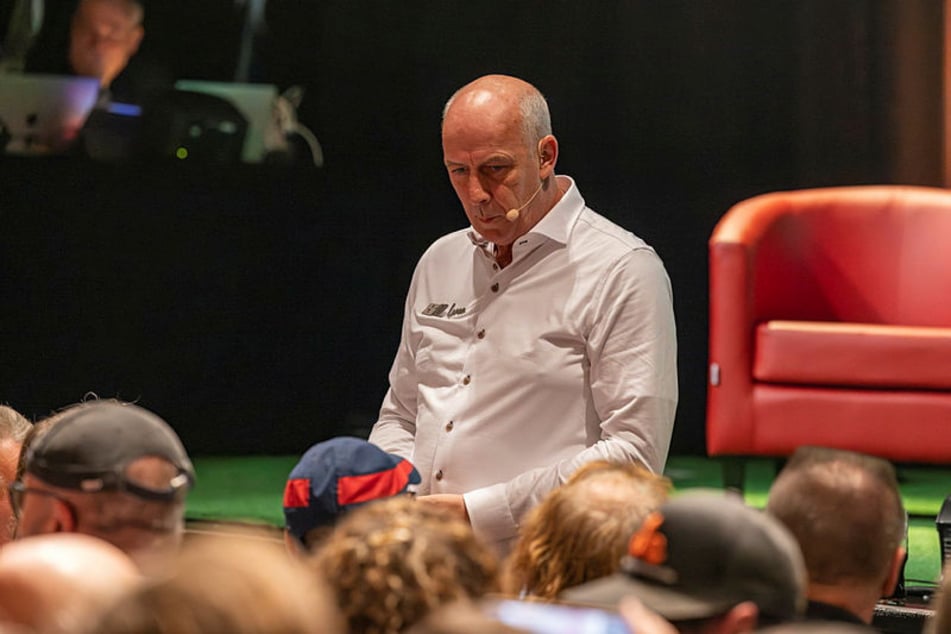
[[249, 489]]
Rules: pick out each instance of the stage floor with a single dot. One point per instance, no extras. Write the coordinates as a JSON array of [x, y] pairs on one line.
[[249, 488]]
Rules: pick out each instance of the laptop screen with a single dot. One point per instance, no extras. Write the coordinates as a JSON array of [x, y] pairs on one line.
[[254, 101], [43, 114]]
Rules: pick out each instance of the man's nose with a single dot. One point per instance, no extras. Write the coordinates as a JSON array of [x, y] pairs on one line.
[[476, 190]]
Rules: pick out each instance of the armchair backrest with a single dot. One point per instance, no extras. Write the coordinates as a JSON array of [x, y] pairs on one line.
[[869, 254]]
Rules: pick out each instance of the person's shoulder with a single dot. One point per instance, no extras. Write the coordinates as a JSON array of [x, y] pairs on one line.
[[597, 232], [142, 81]]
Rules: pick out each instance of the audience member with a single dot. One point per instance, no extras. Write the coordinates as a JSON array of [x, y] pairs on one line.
[[110, 470], [846, 512], [37, 430], [102, 41], [13, 430], [705, 562], [103, 37], [60, 582], [940, 621], [227, 585], [538, 339], [334, 477], [580, 531], [392, 562]]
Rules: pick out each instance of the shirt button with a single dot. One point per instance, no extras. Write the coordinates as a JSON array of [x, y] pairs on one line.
[[439, 475], [495, 267], [466, 380], [495, 287], [481, 334], [449, 426]]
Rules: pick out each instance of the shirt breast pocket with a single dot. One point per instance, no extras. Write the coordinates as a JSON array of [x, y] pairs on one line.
[[443, 344]]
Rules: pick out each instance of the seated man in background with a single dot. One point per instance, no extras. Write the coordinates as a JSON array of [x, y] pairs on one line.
[[846, 511], [13, 429], [103, 40], [111, 470], [580, 531], [334, 477], [707, 563], [103, 37]]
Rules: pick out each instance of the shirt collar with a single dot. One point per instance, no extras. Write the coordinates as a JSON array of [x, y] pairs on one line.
[[557, 223]]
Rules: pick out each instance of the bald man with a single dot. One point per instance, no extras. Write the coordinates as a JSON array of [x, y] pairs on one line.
[[537, 339], [59, 582]]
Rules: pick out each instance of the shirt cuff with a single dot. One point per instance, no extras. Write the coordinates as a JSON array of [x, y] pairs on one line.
[[490, 515]]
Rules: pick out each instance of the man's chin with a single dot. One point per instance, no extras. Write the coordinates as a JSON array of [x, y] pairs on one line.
[[500, 237]]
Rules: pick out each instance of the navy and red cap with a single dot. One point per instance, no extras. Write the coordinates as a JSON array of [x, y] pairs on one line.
[[338, 475]]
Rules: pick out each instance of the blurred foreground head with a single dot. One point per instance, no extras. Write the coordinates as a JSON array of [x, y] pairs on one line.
[[58, 583], [392, 562], [580, 530], [228, 584], [707, 557]]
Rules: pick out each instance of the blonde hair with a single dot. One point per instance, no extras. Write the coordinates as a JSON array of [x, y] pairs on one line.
[[394, 561], [580, 531]]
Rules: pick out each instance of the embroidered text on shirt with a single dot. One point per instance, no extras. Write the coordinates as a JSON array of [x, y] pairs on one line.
[[438, 310]]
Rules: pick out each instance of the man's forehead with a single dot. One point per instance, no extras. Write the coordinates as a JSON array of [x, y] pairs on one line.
[[107, 12], [482, 131]]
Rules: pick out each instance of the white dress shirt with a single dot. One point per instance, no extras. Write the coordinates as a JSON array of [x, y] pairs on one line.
[[506, 380]]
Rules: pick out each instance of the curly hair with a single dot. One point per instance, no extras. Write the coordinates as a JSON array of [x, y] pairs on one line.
[[393, 561], [580, 531]]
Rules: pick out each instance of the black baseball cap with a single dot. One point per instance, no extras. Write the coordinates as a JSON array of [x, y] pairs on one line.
[[700, 554], [93, 446]]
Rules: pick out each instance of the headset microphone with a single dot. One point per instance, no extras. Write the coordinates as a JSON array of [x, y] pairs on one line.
[[512, 214]]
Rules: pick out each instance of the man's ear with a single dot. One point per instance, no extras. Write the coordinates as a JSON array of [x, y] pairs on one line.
[[547, 156], [135, 40], [894, 570], [293, 546], [742, 617], [63, 517]]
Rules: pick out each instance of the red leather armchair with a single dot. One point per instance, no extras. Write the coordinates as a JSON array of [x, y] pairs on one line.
[[830, 324]]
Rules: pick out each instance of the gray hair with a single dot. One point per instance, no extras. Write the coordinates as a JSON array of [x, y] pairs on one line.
[[13, 425], [536, 120]]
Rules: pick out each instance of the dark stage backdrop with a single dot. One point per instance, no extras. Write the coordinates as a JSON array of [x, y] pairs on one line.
[[258, 309]]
